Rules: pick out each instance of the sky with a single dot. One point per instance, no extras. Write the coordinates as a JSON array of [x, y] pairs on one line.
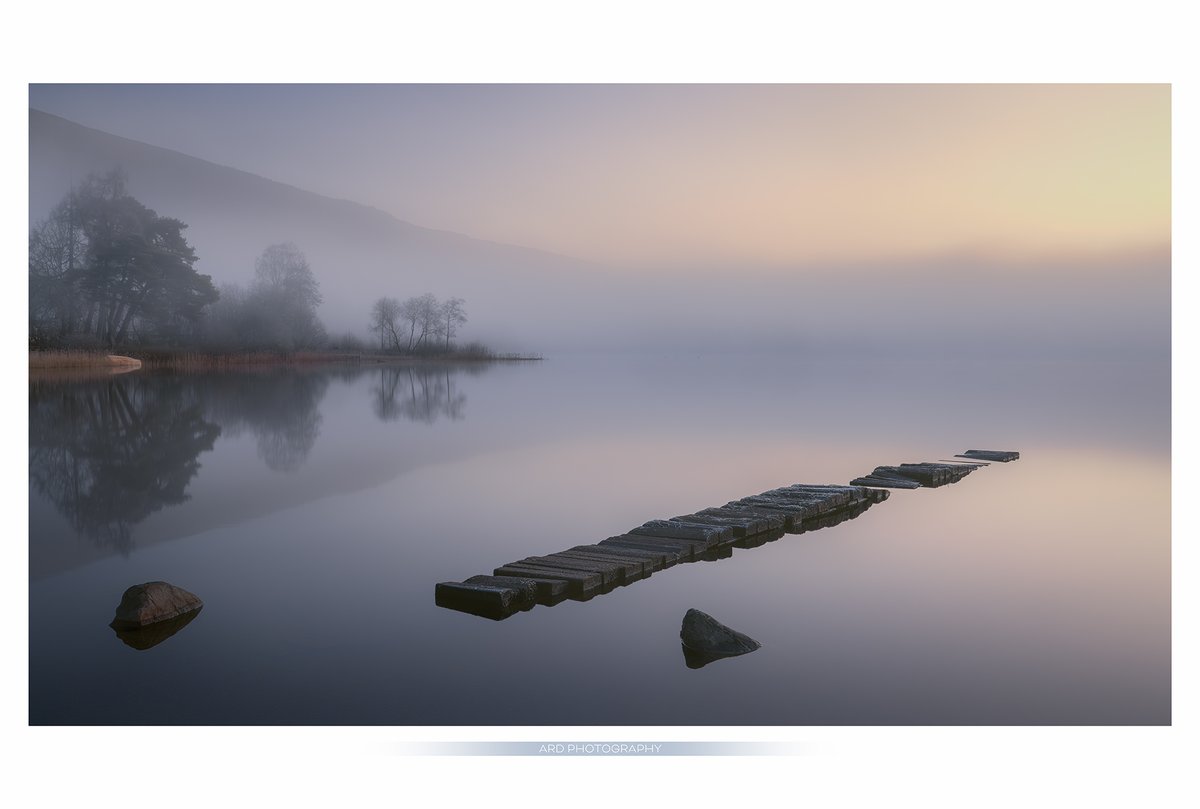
[[770, 176]]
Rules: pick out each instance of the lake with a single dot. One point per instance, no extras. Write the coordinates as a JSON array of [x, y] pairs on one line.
[[314, 510]]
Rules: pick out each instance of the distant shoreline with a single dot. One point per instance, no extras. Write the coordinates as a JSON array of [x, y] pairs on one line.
[[56, 364]]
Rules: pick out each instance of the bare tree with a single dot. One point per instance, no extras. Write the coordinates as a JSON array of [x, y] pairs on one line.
[[452, 315], [385, 320], [430, 320], [418, 324], [422, 317], [410, 316]]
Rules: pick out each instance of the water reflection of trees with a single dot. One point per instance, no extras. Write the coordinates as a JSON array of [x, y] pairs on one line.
[[108, 454], [280, 408], [419, 393]]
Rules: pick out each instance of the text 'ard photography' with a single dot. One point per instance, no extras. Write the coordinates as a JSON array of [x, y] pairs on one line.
[[571, 405]]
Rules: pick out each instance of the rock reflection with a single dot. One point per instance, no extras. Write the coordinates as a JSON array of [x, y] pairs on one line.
[[146, 637]]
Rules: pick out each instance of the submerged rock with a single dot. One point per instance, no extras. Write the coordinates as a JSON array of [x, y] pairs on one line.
[[705, 639], [151, 603]]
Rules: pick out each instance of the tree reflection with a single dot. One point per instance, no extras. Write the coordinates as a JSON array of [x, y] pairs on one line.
[[424, 393], [281, 408], [109, 453]]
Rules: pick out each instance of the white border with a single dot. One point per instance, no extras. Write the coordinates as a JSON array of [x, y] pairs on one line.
[[610, 41]]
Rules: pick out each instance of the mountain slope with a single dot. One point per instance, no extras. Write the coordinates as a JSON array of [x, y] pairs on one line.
[[358, 252], [520, 299]]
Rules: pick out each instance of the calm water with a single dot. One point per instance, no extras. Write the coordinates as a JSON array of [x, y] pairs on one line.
[[314, 511]]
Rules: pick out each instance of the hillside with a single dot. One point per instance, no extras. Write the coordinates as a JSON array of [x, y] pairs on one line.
[[520, 299], [358, 252]]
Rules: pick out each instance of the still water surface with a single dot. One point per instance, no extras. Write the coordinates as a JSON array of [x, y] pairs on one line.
[[314, 511]]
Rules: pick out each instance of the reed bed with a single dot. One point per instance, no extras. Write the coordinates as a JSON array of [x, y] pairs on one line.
[[197, 361], [45, 360]]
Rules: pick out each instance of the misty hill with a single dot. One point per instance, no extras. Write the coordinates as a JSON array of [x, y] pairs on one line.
[[357, 252], [524, 299]]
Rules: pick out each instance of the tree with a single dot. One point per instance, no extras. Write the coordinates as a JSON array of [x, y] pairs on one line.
[[385, 321], [417, 324], [57, 249], [106, 266], [284, 267], [284, 300], [452, 315], [423, 316]]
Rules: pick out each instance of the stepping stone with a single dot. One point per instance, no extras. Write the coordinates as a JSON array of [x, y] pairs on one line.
[[682, 549], [631, 570], [753, 524], [579, 583], [489, 596], [610, 574], [526, 590], [887, 482], [670, 555], [740, 527], [791, 518], [649, 560], [1003, 456], [710, 534]]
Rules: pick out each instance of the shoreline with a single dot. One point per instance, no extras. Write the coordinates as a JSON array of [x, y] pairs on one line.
[[58, 364]]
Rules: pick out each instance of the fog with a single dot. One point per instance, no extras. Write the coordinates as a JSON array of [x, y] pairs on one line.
[[1106, 303]]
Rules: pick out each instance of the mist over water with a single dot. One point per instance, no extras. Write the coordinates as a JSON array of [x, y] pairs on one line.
[[314, 512]]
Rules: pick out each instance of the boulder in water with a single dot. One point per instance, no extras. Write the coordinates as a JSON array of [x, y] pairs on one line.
[[152, 602], [706, 639]]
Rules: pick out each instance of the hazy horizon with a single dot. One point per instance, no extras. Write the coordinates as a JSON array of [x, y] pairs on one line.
[[791, 174], [1033, 220]]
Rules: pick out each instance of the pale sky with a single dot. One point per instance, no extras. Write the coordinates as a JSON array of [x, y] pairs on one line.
[[679, 175]]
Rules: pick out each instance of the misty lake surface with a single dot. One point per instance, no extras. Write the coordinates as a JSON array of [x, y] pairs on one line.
[[314, 510]]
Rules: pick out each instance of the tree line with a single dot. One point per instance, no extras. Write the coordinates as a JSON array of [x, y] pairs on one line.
[[105, 271], [417, 325]]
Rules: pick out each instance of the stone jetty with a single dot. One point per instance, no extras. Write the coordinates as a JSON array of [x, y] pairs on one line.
[[584, 571]]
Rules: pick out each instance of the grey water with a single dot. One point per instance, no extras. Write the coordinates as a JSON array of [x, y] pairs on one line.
[[314, 510]]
